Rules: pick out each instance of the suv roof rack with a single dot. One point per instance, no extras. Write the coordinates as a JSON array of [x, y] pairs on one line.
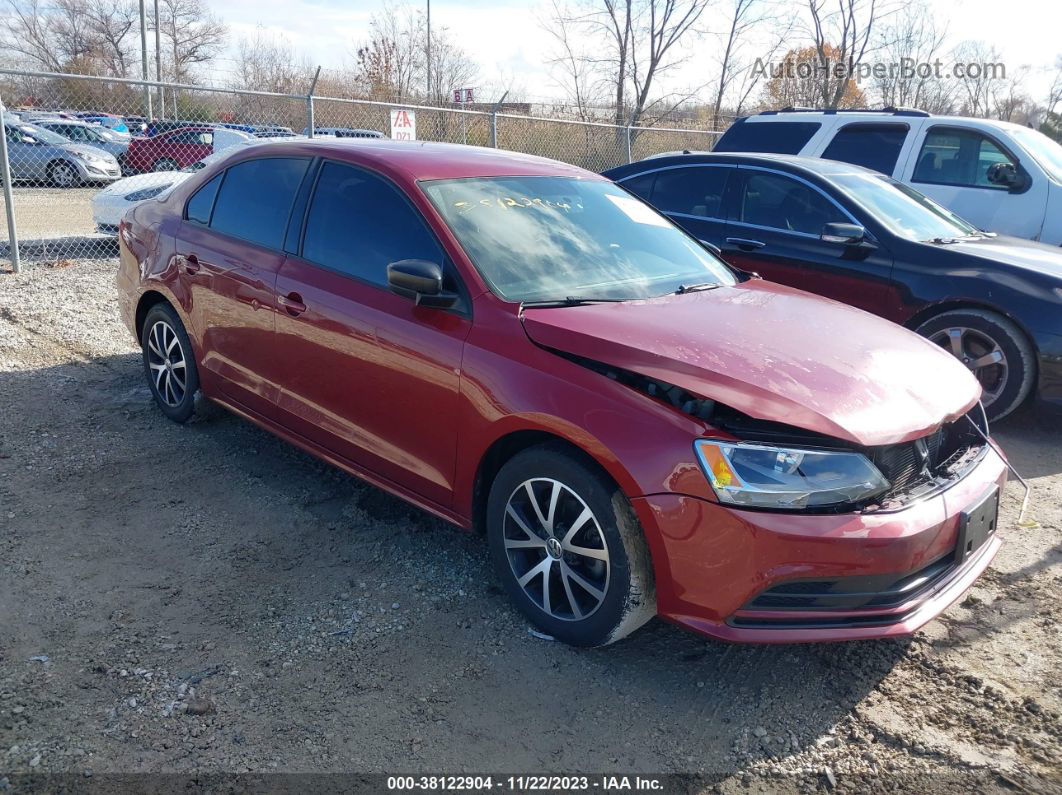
[[895, 111]]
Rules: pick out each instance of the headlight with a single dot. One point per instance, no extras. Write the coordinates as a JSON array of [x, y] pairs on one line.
[[145, 193], [784, 478]]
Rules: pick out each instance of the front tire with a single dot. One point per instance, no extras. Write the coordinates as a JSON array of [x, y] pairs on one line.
[[169, 363], [994, 349], [63, 175], [568, 548]]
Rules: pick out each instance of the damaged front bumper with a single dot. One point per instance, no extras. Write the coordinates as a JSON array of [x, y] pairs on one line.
[[719, 568]]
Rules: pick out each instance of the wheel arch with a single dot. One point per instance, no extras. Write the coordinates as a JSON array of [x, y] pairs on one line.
[[934, 310], [512, 442], [149, 299]]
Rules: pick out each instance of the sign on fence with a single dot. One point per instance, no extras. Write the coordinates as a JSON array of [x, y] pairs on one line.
[[464, 95], [403, 125]]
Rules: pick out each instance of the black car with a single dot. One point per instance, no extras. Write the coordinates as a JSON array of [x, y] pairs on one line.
[[857, 236]]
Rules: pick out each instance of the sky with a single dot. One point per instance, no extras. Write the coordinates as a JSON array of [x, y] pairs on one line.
[[506, 37]]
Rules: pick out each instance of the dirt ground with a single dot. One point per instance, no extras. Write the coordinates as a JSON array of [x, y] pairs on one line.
[[205, 598]]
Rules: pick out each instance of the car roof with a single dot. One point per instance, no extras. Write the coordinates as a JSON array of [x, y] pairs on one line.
[[423, 160], [871, 115], [816, 165]]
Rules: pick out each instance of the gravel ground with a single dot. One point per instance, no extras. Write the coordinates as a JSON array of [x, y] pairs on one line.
[[206, 598]]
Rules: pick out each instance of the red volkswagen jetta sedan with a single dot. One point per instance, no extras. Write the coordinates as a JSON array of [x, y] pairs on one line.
[[522, 348]]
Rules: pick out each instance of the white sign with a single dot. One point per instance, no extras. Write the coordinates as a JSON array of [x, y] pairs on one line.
[[403, 125], [463, 95]]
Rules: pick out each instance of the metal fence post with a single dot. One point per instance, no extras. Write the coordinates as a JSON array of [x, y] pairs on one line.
[[9, 201], [494, 120], [630, 159], [309, 103]]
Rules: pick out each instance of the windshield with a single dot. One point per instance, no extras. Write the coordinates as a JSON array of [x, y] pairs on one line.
[[32, 131], [552, 238], [1045, 151], [905, 211]]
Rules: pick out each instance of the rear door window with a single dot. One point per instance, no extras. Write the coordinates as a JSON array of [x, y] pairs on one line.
[[776, 201], [780, 138], [693, 190], [873, 146], [255, 198], [953, 156]]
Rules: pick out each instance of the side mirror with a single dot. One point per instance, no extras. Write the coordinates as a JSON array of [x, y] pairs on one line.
[[1005, 175], [843, 234], [421, 282]]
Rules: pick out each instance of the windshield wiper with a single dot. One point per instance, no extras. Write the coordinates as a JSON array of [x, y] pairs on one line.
[[695, 288], [571, 300]]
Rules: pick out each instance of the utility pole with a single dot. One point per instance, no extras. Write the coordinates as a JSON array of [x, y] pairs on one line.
[[428, 95], [144, 60], [158, 62]]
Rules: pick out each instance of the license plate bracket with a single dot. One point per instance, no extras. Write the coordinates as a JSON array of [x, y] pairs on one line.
[[977, 525]]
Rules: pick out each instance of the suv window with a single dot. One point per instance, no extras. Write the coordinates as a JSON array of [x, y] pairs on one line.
[[358, 224], [778, 202], [873, 146], [780, 138], [952, 156], [255, 199], [694, 190]]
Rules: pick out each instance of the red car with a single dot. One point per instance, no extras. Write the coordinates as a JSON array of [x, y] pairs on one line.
[[170, 151], [524, 349]]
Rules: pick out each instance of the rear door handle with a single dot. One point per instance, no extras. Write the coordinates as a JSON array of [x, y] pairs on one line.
[[292, 303], [190, 264], [745, 244]]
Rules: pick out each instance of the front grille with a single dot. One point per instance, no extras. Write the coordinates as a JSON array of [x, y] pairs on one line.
[[923, 465]]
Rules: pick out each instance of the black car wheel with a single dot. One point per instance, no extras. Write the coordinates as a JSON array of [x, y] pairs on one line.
[[168, 363], [994, 349], [568, 549], [166, 164]]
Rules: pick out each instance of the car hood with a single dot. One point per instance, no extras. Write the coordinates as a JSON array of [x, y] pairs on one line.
[[85, 149], [776, 354], [1015, 251], [152, 179]]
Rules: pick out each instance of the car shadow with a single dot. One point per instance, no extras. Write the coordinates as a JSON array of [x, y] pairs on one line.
[[381, 628]]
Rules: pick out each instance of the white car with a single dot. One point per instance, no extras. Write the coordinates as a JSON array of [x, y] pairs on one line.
[[1000, 176], [114, 201]]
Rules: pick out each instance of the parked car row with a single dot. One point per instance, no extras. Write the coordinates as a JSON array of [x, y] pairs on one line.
[[37, 154], [638, 424]]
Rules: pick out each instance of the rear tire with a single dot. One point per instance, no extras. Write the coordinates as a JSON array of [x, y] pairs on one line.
[[568, 548], [169, 363], [997, 352]]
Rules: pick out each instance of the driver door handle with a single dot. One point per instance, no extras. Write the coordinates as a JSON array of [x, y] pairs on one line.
[[292, 303], [745, 244]]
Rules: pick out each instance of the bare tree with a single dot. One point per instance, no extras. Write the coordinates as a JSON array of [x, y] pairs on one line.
[[268, 63], [577, 76], [1054, 95], [909, 46], [841, 39], [799, 82], [110, 23], [393, 59], [391, 65], [191, 35], [51, 37], [635, 43], [738, 76]]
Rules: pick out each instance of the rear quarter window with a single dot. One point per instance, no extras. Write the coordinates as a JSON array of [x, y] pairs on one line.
[[255, 199], [779, 138], [873, 146]]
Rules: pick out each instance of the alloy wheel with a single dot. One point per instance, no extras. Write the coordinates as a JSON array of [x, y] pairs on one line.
[[63, 175], [166, 361], [556, 549], [981, 354]]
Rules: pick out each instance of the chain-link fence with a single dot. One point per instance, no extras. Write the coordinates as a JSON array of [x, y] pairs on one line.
[[81, 150]]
